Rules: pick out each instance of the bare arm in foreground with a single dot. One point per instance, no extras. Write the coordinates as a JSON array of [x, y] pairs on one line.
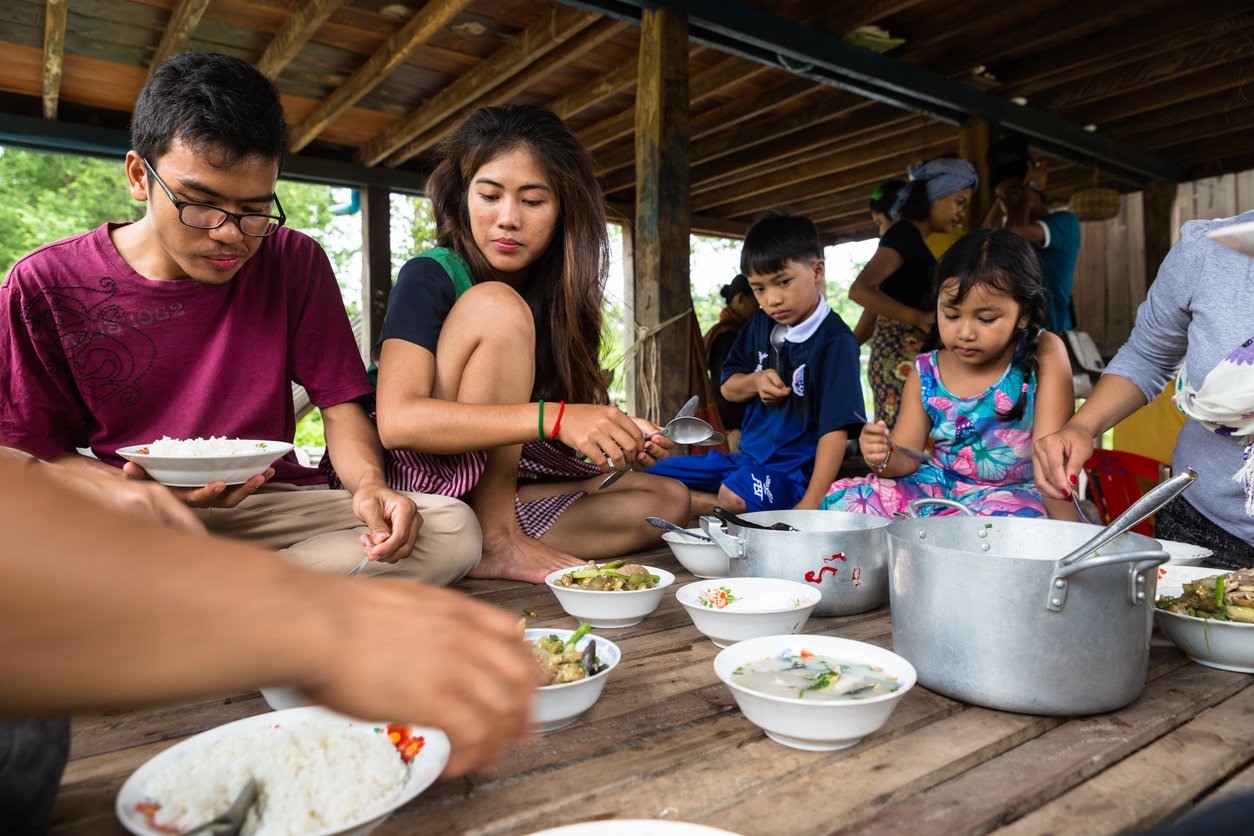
[[110, 612]]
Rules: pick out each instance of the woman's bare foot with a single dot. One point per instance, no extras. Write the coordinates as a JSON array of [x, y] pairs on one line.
[[517, 557]]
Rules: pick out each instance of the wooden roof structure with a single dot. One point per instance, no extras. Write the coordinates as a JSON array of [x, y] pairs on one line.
[[787, 107]]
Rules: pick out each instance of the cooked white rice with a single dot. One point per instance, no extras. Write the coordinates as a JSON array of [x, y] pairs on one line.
[[212, 446], [311, 776]]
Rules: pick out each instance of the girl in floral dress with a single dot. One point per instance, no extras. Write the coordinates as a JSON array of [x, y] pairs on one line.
[[995, 380]]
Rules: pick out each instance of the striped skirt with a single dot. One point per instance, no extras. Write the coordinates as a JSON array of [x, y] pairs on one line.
[[455, 474]]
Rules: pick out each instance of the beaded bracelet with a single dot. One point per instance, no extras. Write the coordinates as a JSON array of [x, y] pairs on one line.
[[879, 468], [557, 425], [540, 421]]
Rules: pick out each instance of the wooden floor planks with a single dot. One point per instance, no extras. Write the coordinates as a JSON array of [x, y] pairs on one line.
[[666, 741]]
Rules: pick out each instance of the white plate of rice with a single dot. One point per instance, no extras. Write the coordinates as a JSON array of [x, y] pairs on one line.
[[319, 773], [195, 462]]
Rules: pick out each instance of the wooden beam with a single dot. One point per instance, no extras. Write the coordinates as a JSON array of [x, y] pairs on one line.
[[662, 291], [558, 38], [704, 83], [606, 85], [700, 224], [54, 54], [433, 17], [299, 27], [870, 150], [376, 259], [973, 142], [714, 121], [178, 31]]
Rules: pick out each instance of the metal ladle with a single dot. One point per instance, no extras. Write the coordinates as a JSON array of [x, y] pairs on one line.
[[728, 517], [667, 525], [1139, 510]]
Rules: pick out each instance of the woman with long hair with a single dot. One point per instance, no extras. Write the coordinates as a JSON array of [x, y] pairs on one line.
[[489, 383]]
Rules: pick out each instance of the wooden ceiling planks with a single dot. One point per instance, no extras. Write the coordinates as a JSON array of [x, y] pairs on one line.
[[1161, 75], [178, 31]]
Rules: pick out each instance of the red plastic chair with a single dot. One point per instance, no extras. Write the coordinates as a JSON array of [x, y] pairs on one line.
[[1117, 479]]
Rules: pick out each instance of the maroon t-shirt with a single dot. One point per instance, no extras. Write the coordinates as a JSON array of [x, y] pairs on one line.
[[92, 354]]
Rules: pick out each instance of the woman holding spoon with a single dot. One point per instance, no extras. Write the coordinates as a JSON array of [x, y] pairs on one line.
[[489, 383], [994, 380]]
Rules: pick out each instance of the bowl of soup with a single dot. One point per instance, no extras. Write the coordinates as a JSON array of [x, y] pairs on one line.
[[817, 693]]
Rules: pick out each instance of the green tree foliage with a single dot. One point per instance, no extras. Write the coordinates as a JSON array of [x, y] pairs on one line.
[[48, 196]]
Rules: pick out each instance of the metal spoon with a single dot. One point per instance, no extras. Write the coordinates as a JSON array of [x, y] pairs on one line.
[[689, 409], [728, 517], [232, 821], [667, 525], [356, 570], [777, 342], [682, 429], [1139, 510]]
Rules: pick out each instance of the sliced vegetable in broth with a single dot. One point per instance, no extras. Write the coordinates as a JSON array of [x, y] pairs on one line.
[[808, 676]]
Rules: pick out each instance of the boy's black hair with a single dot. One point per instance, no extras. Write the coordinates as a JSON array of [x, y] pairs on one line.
[[215, 104], [1005, 261], [776, 239], [1008, 159]]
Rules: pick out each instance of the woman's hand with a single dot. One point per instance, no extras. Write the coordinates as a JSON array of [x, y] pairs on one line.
[[1057, 460], [605, 434]]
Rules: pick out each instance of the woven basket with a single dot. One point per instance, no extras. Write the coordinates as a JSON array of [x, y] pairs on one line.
[[1094, 203]]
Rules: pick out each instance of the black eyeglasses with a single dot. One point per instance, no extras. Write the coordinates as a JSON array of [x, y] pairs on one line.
[[206, 216]]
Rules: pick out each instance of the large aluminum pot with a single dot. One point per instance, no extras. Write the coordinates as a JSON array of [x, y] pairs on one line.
[[986, 613], [843, 555]]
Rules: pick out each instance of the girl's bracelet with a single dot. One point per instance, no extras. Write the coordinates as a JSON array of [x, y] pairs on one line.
[[540, 420], [879, 468]]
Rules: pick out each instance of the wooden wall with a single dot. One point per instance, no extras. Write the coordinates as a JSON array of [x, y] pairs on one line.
[[1110, 274]]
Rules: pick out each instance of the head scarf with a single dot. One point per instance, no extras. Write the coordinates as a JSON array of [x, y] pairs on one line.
[[941, 176], [1224, 404]]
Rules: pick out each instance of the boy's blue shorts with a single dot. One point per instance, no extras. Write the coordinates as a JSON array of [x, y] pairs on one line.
[[762, 488]]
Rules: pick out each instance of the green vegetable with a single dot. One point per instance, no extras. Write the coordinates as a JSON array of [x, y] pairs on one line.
[[1219, 592], [582, 630]]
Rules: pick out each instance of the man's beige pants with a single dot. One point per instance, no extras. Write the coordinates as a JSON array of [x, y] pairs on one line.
[[316, 528]]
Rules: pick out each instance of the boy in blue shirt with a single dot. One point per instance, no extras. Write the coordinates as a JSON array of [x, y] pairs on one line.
[[804, 391]]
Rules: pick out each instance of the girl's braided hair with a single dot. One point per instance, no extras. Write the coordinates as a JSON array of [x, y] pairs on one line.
[[1004, 261]]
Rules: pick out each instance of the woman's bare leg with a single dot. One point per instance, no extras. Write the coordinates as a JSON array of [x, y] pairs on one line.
[[486, 354], [610, 523]]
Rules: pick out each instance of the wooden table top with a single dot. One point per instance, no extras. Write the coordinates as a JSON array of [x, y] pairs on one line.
[[666, 741]]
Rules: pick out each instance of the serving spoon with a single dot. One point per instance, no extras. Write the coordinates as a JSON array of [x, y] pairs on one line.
[[728, 517], [1139, 510], [667, 525]]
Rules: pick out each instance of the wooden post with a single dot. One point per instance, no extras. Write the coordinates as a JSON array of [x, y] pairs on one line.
[[376, 260], [661, 290], [1158, 200], [973, 142]]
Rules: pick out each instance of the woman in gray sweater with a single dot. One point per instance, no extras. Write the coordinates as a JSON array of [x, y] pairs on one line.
[[1195, 325]]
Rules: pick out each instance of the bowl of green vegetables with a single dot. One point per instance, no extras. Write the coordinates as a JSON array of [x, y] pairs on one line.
[[614, 594]]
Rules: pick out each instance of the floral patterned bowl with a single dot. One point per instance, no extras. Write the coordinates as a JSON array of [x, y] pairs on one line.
[[728, 610]]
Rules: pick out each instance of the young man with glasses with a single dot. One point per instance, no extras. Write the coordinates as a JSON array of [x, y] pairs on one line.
[[195, 320]]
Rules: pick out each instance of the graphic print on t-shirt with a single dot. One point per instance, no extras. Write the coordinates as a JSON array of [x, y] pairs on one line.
[[109, 356]]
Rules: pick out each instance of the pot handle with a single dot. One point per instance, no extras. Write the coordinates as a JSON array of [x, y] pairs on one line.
[[929, 500], [734, 546], [1143, 561]]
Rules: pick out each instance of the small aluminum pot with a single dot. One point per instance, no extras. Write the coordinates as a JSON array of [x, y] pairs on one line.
[[986, 613], [843, 555]]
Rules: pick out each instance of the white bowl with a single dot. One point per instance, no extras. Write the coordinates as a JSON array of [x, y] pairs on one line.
[[633, 827], [1227, 645], [423, 770], [1184, 554], [705, 560], [556, 706], [610, 609], [198, 471], [816, 726], [730, 610], [283, 698]]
